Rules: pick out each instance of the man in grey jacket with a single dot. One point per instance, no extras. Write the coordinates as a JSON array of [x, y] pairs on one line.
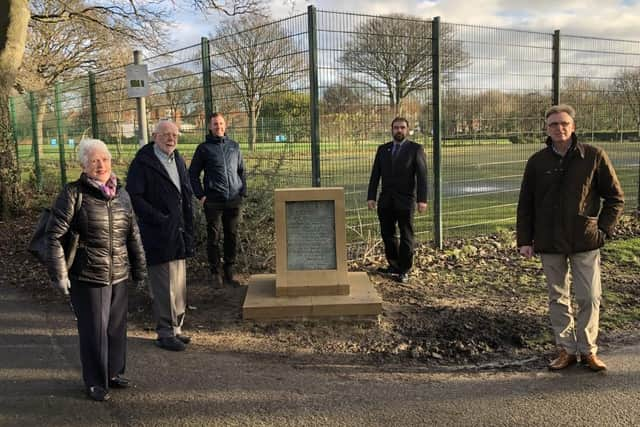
[[220, 191]]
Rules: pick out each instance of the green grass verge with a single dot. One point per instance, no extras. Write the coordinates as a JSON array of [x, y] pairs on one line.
[[480, 183], [624, 251]]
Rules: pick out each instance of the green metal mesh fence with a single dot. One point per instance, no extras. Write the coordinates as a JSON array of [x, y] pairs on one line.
[[116, 118], [260, 81], [495, 86], [601, 79], [493, 106], [176, 94], [359, 58]]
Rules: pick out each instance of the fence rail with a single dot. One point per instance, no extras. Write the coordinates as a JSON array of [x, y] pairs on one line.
[[310, 97]]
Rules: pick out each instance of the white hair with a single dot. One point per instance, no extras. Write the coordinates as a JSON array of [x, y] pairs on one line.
[[85, 148], [156, 128]]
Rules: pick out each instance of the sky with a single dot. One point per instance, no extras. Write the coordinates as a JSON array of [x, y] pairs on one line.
[[617, 19]]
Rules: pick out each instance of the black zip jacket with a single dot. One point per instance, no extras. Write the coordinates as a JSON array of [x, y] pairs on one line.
[[224, 175], [110, 247]]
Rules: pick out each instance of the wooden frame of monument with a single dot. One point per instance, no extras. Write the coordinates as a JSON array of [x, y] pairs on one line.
[[331, 277]]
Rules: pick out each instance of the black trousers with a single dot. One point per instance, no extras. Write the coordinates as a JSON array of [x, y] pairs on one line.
[[221, 221], [102, 327], [399, 253]]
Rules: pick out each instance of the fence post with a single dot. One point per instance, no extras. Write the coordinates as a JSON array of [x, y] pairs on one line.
[[555, 74], [314, 107], [621, 124], [637, 212], [205, 56], [437, 134], [34, 141], [141, 107], [58, 110], [94, 105], [14, 127]]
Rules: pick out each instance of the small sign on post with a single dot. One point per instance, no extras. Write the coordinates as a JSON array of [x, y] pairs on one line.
[[137, 80]]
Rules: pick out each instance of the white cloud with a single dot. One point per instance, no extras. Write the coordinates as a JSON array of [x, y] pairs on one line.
[[618, 19]]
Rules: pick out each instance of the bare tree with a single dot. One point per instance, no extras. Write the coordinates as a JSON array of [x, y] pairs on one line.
[[182, 89], [340, 98], [64, 44], [14, 18], [391, 55], [232, 7], [628, 83], [258, 58], [126, 19]]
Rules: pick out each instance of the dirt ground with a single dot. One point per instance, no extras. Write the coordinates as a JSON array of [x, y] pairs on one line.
[[475, 305]]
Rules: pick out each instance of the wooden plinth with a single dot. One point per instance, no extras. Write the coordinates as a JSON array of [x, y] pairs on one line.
[[261, 302]]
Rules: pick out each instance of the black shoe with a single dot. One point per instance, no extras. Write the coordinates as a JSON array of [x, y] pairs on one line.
[[231, 282], [403, 278], [119, 382], [186, 339], [97, 393], [228, 277], [387, 270], [216, 281], [170, 343]]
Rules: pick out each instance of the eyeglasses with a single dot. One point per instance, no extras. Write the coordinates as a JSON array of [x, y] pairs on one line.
[[561, 124], [168, 134]]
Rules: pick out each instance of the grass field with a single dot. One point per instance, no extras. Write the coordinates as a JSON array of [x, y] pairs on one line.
[[480, 182]]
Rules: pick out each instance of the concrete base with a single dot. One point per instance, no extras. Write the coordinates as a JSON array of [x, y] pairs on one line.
[[261, 302]]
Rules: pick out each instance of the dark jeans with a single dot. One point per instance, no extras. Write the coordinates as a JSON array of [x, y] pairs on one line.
[[399, 253], [228, 218], [102, 327]]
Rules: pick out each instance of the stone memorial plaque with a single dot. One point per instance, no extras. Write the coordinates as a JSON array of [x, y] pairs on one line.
[[311, 235]]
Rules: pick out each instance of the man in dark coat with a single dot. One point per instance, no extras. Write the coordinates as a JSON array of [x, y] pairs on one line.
[[160, 190], [570, 201], [402, 166], [220, 191]]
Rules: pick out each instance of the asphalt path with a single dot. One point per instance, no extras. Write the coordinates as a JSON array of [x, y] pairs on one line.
[[40, 385]]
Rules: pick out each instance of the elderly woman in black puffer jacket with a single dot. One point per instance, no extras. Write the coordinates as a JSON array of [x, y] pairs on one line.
[[109, 250]]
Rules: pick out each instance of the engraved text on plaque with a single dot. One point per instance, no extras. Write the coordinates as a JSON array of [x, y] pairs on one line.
[[311, 235]]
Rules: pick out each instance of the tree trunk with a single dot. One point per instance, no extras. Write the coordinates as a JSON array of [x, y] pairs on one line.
[[118, 126], [14, 19], [253, 116], [41, 109]]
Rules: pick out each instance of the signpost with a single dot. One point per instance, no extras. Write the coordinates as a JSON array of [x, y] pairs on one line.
[[138, 87]]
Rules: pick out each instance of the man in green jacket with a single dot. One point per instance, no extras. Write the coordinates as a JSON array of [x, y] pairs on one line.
[[570, 201]]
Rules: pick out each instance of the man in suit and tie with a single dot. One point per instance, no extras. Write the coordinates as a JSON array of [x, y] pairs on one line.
[[402, 165]]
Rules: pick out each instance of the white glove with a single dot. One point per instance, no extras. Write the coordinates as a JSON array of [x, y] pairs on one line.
[[63, 285]]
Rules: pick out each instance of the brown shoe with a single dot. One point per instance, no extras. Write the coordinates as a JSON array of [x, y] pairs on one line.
[[563, 360], [593, 362]]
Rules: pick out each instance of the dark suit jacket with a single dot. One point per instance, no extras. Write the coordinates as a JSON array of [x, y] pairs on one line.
[[403, 178]]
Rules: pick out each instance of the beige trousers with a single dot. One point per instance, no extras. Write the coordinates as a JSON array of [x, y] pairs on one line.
[[168, 286], [579, 335]]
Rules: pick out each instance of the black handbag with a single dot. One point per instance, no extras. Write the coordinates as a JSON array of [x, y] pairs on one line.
[[38, 245]]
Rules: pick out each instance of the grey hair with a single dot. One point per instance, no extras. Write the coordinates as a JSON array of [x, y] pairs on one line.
[[86, 146], [561, 108], [156, 128]]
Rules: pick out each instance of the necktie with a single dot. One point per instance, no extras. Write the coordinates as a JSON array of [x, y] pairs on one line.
[[394, 150]]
